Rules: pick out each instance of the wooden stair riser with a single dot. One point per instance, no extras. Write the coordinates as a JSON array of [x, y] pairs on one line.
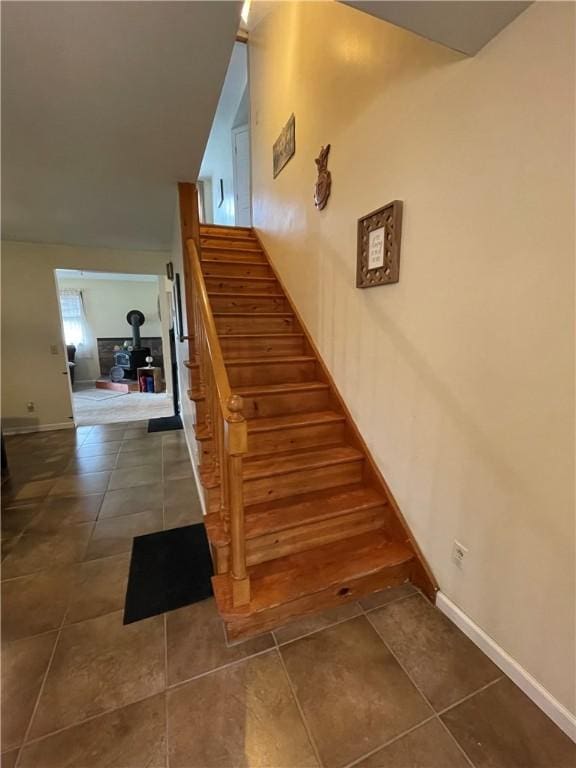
[[241, 627], [235, 256], [249, 303], [211, 242], [231, 324], [274, 372], [241, 285], [232, 253], [260, 489], [236, 269], [295, 438], [228, 237], [268, 405], [270, 546], [281, 404], [262, 346]]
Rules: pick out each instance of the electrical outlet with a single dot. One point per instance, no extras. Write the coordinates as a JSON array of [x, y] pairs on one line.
[[53, 349], [30, 406], [459, 552]]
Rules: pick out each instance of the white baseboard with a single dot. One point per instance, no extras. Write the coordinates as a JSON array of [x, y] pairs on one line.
[[193, 461], [556, 711], [38, 428]]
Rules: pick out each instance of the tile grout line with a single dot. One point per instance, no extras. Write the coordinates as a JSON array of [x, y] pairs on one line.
[[312, 632], [41, 690], [426, 699], [298, 705], [187, 680], [366, 611], [84, 721], [413, 728], [362, 611], [470, 695]]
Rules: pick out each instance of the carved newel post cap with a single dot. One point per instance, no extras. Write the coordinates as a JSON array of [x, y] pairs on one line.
[[235, 405]]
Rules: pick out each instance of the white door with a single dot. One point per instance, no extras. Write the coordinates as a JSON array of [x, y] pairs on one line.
[[241, 152]]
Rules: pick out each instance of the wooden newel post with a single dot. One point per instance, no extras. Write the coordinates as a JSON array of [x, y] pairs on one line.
[[236, 447]]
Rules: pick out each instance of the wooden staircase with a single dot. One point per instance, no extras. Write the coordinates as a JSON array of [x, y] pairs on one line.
[[299, 517]]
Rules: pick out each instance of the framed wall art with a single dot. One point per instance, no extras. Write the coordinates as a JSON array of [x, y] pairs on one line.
[[378, 257], [284, 146], [178, 307]]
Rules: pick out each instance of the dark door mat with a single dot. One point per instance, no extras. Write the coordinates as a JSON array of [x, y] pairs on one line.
[[165, 423], [168, 570]]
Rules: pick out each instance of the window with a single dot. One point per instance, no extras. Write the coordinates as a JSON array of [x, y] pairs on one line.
[[72, 308]]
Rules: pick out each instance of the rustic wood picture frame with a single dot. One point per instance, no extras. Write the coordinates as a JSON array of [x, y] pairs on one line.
[[389, 220], [284, 146]]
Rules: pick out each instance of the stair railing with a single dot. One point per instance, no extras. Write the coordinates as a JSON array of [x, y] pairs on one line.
[[224, 422]]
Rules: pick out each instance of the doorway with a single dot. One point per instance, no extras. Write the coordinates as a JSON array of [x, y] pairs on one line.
[[241, 170], [116, 333]]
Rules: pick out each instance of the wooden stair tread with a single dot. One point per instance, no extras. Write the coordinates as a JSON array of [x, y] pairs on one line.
[[230, 247], [270, 465], [228, 295], [228, 227], [290, 512], [267, 360], [273, 335], [224, 233], [266, 424], [230, 263], [244, 278], [280, 389], [232, 237], [253, 314], [281, 581]]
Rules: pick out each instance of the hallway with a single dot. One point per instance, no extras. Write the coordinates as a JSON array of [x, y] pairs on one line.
[[385, 683]]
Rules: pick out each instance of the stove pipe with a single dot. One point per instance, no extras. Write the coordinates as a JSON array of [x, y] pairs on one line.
[[135, 318]]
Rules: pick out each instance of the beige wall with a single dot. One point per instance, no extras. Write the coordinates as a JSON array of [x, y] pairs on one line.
[[33, 357], [461, 376]]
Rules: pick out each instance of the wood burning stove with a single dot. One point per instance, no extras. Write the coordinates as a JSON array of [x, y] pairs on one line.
[[131, 359]]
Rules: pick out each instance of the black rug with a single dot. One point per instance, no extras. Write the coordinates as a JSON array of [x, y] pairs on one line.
[[168, 570], [165, 423]]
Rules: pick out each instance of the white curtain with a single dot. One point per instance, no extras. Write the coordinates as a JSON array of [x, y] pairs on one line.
[[76, 329]]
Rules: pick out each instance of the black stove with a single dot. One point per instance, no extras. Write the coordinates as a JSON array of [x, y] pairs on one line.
[[130, 360]]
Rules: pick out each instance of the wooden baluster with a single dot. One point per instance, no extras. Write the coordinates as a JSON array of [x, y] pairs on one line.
[[225, 480], [207, 469], [215, 418], [222, 466], [198, 388], [236, 447]]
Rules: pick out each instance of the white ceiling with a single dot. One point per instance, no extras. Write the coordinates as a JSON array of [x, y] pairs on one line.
[[105, 106], [464, 25]]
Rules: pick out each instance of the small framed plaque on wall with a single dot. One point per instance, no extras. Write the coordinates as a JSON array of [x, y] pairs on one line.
[[378, 257]]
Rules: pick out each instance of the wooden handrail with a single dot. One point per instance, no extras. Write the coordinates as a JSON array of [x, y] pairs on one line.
[[223, 421], [213, 343]]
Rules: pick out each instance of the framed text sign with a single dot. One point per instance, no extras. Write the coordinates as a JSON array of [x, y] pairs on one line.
[[378, 257], [284, 146]]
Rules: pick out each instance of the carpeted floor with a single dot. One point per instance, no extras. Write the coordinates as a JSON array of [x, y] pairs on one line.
[[109, 407]]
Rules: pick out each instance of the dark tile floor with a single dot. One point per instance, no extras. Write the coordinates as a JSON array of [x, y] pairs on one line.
[[384, 683]]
